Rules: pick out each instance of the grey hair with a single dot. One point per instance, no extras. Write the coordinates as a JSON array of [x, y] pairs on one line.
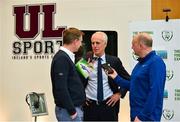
[[105, 37]]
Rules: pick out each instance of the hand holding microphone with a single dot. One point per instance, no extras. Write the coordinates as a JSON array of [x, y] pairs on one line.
[[107, 68], [109, 71]]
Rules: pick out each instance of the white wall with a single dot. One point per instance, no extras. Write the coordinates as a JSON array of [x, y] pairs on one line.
[[1, 59], [21, 77]]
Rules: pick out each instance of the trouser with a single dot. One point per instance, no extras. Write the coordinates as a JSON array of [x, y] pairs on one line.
[[99, 111], [63, 115]]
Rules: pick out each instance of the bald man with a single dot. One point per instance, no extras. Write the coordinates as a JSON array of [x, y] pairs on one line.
[[106, 108], [147, 81]]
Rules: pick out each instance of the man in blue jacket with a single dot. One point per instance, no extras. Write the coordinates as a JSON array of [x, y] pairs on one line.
[[147, 81]]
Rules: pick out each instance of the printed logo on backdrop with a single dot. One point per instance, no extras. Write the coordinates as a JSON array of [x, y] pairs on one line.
[[176, 55], [169, 74], [149, 32], [162, 53], [165, 96], [27, 29], [167, 35], [135, 57], [177, 94], [168, 114]]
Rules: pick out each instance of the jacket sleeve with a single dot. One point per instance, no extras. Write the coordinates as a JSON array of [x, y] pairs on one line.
[[124, 74], [61, 92]]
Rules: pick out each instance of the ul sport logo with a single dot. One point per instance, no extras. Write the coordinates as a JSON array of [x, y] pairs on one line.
[[168, 114], [33, 12], [167, 35]]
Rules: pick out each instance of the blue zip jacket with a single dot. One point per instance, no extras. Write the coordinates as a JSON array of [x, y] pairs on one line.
[[146, 88]]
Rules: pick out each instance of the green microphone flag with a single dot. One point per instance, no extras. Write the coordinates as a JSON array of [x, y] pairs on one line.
[[83, 68]]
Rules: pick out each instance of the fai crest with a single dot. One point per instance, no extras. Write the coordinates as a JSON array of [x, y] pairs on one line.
[[135, 57], [169, 74], [167, 35], [168, 114]]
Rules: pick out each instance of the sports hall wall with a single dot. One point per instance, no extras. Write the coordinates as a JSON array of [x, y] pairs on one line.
[[18, 77]]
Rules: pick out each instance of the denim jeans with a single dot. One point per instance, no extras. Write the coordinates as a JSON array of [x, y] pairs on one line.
[[63, 115]]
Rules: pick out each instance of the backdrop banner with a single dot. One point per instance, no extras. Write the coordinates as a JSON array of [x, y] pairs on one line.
[[166, 36]]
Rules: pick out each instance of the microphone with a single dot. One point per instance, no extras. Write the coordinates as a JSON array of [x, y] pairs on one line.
[[79, 54], [89, 56]]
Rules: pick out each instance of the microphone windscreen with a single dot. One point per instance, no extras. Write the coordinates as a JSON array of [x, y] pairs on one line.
[[89, 55]]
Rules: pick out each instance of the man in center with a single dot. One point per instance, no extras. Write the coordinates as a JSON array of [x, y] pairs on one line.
[[102, 94]]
